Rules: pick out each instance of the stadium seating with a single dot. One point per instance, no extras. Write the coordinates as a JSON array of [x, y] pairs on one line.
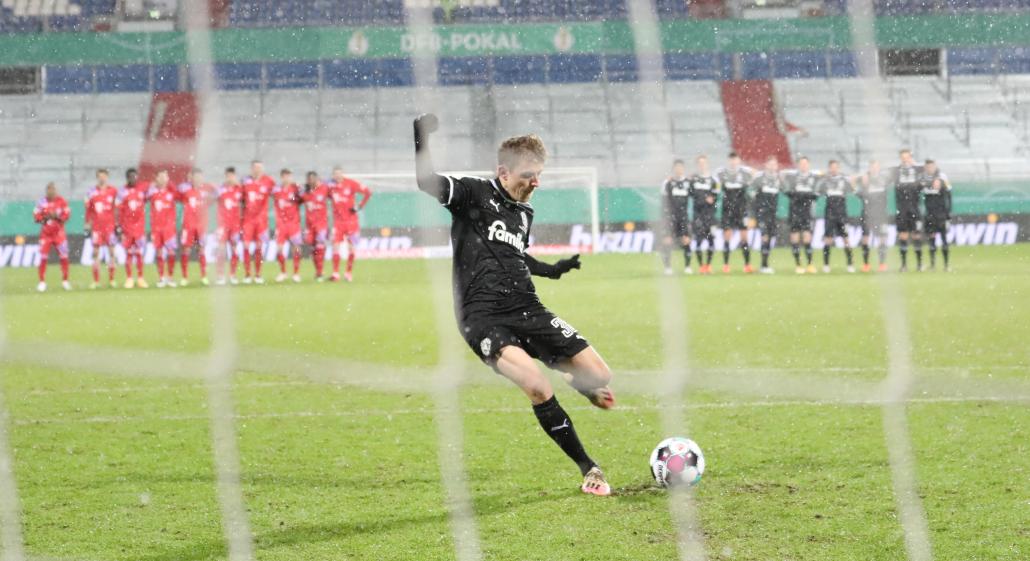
[[26, 16], [628, 131]]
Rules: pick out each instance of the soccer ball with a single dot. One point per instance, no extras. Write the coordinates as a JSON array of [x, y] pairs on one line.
[[677, 461]]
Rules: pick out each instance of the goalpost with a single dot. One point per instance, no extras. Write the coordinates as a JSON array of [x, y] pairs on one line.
[[567, 197]]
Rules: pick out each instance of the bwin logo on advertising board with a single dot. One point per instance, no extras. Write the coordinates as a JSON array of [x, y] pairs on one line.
[[499, 232]]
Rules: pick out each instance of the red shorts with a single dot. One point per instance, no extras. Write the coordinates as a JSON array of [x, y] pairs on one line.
[[191, 236], [346, 230], [287, 233], [164, 238], [57, 241], [103, 236], [228, 235], [133, 240], [316, 236], [255, 232]]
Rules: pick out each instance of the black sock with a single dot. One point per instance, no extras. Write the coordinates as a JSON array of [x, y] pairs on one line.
[[765, 254], [686, 255], [944, 253], [847, 252], [744, 247], [865, 253], [919, 253], [826, 255], [557, 424], [726, 254], [881, 252], [808, 253], [903, 248], [698, 254], [933, 253], [796, 250]]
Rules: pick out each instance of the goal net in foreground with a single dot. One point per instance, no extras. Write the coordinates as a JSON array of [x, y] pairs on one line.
[[566, 215]]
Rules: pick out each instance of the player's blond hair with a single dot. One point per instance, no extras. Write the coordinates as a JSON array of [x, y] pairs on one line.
[[519, 148]]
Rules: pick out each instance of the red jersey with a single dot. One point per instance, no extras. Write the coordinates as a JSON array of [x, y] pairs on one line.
[[51, 216], [162, 207], [195, 199], [316, 207], [256, 193], [132, 202], [100, 208], [345, 204], [287, 205], [230, 206]]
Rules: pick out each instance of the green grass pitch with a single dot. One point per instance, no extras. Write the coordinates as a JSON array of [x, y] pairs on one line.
[[118, 466]]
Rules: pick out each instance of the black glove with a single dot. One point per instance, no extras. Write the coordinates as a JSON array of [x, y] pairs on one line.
[[118, 231], [425, 124], [565, 265]]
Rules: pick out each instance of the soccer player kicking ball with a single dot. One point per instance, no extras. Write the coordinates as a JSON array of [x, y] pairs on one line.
[[497, 308], [286, 197], [163, 198], [195, 196], [346, 228], [51, 213], [100, 204]]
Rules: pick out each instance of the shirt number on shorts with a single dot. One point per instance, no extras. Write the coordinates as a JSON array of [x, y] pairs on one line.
[[566, 329]]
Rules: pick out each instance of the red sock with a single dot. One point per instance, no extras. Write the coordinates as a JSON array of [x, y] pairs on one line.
[[234, 264], [139, 264], [336, 262], [203, 262], [170, 265], [258, 259], [185, 260], [246, 262], [110, 272], [350, 261], [296, 262], [64, 268], [282, 263], [42, 269], [160, 267], [128, 266], [319, 258], [96, 271]]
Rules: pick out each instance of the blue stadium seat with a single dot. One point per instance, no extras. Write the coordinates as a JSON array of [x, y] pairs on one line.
[[349, 73], [692, 66], [621, 68], [799, 64], [125, 78], [463, 71], [755, 66], [1014, 60], [842, 64], [166, 77], [69, 79], [563, 69], [972, 60], [292, 75], [520, 70], [238, 76]]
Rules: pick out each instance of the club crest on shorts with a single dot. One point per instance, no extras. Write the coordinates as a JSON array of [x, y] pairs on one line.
[[485, 345]]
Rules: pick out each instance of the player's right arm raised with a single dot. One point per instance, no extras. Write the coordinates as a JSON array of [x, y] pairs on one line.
[[428, 180]]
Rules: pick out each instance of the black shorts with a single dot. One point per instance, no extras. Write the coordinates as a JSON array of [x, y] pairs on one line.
[[836, 226], [907, 221], [733, 217], [702, 226], [800, 223], [936, 225], [872, 227], [679, 226], [535, 330]]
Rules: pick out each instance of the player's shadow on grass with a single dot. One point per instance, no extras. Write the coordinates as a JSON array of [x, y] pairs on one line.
[[287, 536]]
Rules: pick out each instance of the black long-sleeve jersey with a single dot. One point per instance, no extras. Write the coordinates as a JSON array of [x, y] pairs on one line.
[[704, 188], [905, 180], [936, 198], [836, 189], [800, 188], [676, 198], [767, 187], [734, 185], [490, 234]]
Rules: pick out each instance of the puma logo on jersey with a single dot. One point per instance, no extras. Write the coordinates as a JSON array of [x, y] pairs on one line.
[[497, 205], [498, 231]]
